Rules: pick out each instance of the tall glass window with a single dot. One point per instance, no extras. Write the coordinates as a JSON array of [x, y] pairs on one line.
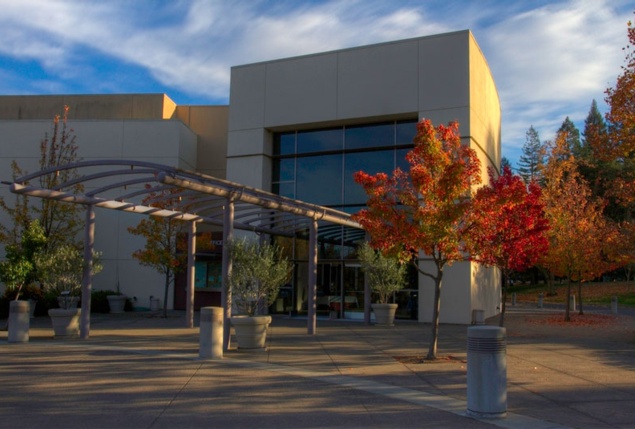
[[317, 166]]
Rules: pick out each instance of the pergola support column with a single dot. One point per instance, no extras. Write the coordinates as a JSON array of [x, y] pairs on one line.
[[87, 273], [312, 292], [226, 294], [191, 249]]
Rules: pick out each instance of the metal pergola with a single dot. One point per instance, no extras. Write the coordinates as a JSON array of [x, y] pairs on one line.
[[135, 186]]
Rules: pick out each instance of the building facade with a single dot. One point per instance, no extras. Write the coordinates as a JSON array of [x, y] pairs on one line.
[[298, 127]]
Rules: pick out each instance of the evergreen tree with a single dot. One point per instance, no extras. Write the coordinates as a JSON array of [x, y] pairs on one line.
[[505, 163], [594, 135], [531, 162], [572, 136]]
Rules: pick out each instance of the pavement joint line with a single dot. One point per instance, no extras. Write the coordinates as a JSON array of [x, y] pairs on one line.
[[439, 402]]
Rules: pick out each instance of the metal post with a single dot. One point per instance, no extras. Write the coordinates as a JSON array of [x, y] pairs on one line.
[[614, 305], [226, 294], [87, 276], [312, 292], [541, 297], [367, 296], [191, 249]]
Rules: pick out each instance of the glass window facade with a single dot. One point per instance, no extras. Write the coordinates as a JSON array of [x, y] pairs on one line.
[[317, 166]]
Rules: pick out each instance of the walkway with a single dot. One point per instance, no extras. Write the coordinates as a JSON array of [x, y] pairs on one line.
[[142, 371]]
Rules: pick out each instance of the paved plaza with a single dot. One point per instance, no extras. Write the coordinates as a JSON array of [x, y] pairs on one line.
[[139, 370]]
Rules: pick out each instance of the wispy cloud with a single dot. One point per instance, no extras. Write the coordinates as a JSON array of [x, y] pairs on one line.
[[549, 58]]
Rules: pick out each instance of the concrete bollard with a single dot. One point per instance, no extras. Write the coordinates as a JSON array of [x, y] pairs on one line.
[[541, 297], [486, 372], [514, 298], [613, 305], [211, 333], [572, 303], [19, 320], [478, 317]]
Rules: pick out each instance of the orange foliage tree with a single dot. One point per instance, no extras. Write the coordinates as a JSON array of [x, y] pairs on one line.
[[421, 210], [621, 100], [163, 251], [506, 227], [579, 235]]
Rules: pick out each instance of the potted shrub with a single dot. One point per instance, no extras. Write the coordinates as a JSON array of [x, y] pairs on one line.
[[385, 276], [258, 272], [17, 271], [60, 271]]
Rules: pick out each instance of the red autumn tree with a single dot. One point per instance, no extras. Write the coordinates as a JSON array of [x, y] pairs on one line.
[[162, 251], [506, 227], [421, 210]]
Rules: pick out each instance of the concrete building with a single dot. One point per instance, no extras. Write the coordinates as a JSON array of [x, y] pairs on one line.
[[298, 127]]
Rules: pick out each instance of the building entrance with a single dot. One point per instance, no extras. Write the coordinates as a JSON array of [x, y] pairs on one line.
[[340, 290]]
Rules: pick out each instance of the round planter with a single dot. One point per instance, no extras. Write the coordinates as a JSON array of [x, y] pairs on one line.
[[251, 331], [385, 314], [117, 303], [65, 322]]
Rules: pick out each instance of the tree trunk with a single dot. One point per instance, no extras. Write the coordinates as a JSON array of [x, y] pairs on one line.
[[567, 311], [580, 297], [432, 351], [165, 293], [501, 319]]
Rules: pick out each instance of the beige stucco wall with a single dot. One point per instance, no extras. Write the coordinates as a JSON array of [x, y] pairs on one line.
[[167, 142], [100, 106], [209, 123]]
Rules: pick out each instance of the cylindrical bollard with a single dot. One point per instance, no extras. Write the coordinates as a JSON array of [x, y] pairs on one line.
[[19, 320], [486, 372], [541, 297], [514, 298], [614, 305], [478, 317], [211, 333], [572, 303]]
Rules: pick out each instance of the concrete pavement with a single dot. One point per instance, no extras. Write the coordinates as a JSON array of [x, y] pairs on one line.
[[139, 370]]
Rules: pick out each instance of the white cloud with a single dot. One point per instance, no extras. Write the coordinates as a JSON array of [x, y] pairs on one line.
[[551, 62], [549, 58]]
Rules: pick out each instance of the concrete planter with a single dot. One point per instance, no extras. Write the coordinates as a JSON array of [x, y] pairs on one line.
[[117, 303], [65, 322], [251, 331], [385, 314]]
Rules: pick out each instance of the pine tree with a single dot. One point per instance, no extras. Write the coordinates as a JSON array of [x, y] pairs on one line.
[[505, 163], [594, 135], [531, 161], [572, 136]]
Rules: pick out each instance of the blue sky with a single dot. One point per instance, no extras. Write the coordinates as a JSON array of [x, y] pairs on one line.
[[549, 59]]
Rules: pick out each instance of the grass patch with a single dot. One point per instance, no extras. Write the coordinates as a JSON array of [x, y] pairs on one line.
[[592, 293]]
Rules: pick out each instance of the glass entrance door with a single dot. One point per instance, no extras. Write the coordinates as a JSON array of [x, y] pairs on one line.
[[339, 290]]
